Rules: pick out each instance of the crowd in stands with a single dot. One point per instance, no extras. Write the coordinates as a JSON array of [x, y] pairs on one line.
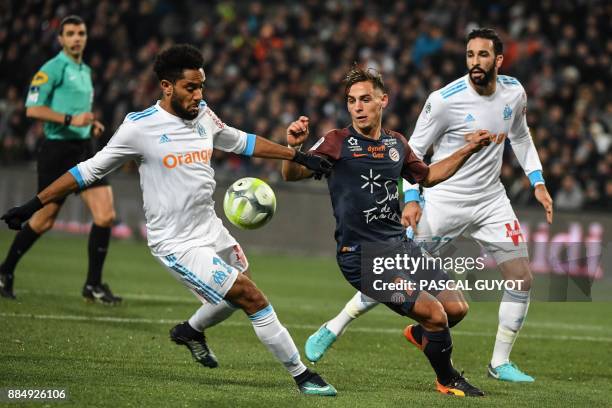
[[267, 62]]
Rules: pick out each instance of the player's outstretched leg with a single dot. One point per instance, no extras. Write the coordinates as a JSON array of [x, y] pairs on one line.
[[184, 334], [512, 313], [437, 346], [318, 343], [275, 336]]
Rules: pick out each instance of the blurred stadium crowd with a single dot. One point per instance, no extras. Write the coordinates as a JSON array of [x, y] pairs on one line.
[[268, 62]]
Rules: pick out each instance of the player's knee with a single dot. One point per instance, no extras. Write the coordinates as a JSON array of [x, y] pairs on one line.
[[252, 299], [518, 271], [437, 319], [522, 280], [456, 312], [527, 280], [105, 219]]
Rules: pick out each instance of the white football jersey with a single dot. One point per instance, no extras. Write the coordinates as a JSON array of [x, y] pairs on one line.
[[456, 110], [176, 178]]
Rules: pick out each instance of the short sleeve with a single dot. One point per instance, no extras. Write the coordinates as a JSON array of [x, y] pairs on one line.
[[329, 145], [43, 83]]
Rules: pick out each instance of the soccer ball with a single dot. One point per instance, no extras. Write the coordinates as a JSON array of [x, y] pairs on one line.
[[249, 203]]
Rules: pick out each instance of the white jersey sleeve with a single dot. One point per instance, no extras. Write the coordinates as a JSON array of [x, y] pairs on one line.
[[430, 127], [121, 147], [520, 138], [229, 139]]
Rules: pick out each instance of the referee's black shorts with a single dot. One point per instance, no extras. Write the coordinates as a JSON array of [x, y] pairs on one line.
[[56, 157]]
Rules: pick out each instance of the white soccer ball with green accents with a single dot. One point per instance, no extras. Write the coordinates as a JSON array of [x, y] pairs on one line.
[[249, 203]]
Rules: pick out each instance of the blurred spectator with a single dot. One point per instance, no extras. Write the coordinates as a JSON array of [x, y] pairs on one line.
[[570, 197], [271, 61], [521, 192]]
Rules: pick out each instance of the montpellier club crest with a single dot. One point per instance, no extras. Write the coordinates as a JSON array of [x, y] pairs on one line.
[[394, 154]]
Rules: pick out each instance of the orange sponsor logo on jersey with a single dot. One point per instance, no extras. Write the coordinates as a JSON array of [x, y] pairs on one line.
[[377, 151], [171, 161]]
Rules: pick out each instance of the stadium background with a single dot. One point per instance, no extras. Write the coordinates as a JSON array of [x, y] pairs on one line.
[[266, 63]]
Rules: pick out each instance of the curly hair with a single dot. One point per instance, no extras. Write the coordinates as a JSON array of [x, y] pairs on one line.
[[170, 63]]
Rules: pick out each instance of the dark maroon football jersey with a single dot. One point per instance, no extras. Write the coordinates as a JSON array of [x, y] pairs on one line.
[[363, 184]]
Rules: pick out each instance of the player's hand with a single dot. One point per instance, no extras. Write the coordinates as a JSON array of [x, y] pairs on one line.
[[16, 216], [479, 139], [82, 119], [411, 215], [97, 129], [541, 194], [499, 139], [297, 132], [318, 164]]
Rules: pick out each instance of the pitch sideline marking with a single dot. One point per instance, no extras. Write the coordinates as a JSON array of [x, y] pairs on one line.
[[531, 322], [291, 326]]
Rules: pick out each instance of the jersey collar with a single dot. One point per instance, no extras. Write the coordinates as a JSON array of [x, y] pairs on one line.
[[175, 118], [473, 91], [358, 135], [69, 60]]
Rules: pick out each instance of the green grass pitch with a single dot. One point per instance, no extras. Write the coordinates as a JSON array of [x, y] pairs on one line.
[[121, 356]]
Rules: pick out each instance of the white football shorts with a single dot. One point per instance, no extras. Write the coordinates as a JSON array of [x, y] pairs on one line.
[[491, 222], [209, 272]]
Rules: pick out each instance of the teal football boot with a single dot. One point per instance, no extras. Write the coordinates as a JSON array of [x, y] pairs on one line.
[[318, 343], [509, 372]]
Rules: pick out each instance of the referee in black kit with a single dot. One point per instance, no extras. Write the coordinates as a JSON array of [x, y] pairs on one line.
[[61, 95]]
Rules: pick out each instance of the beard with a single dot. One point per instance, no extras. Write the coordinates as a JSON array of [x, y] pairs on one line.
[[486, 77], [180, 111]]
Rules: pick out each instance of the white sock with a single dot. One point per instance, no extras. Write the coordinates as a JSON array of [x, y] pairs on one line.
[[277, 339], [512, 313], [358, 305], [209, 315]]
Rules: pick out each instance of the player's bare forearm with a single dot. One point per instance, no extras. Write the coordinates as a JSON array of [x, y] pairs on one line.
[[60, 188], [269, 150], [45, 113], [446, 168], [293, 172]]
